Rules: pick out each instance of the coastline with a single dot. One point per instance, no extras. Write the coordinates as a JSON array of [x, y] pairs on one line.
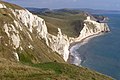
[[78, 58]]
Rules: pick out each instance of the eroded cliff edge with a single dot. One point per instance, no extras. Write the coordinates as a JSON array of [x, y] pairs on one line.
[[23, 26], [28, 51], [24, 36]]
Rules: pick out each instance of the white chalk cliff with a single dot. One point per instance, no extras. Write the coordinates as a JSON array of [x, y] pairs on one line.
[[91, 27], [35, 24], [61, 43]]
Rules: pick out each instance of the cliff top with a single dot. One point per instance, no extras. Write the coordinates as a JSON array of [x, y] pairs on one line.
[[9, 5], [69, 21], [23, 50]]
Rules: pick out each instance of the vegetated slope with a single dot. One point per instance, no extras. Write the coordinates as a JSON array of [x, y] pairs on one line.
[[69, 21], [46, 71], [24, 54], [15, 37]]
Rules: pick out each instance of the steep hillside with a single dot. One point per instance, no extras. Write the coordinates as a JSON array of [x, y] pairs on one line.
[[46, 71], [70, 22], [22, 36], [29, 52], [77, 25]]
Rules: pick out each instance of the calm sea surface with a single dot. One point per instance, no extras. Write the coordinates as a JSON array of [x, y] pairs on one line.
[[103, 53]]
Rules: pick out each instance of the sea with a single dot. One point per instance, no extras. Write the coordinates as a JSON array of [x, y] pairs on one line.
[[102, 53]]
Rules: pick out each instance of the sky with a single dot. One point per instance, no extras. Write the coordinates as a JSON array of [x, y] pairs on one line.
[[55, 4]]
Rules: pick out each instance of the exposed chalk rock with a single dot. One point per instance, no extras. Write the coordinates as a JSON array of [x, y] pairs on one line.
[[30, 46], [16, 56], [91, 27], [60, 44], [34, 24], [16, 40], [2, 6]]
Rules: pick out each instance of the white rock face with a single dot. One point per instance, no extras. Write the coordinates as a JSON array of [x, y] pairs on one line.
[[24, 22], [90, 28], [33, 23], [60, 44], [9, 28], [18, 25], [21, 48], [2, 6], [6, 30], [30, 46], [16, 56], [29, 36], [16, 40]]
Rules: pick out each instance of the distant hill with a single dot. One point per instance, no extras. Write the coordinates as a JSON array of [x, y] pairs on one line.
[[95, 11], [29, 52], [69, 20], [75, 10], [40, 10], [45, 10]]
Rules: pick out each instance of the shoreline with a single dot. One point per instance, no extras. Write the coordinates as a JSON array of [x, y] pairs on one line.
[[78, 58]]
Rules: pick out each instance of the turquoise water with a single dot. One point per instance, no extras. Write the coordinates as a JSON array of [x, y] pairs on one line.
[[103, 53]]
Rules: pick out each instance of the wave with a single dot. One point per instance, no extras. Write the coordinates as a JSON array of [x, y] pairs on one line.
[[77, 57]]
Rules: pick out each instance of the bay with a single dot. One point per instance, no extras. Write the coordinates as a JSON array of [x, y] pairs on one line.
[[102, 53]]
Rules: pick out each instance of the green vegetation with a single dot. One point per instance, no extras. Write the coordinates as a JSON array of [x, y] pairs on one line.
[[40, 53], [12, 6], [46, 71], [71, 23], [40, 63]]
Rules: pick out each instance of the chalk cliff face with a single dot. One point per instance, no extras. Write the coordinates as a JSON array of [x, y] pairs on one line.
[[24, 36], [60, 44], [22, 30], [90, 28], [21, 21]]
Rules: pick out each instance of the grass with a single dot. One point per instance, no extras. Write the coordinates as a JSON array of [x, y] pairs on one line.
[[40, 63], [12, 6], [46, 71], [70, 24], [71, 72], [40, 53]]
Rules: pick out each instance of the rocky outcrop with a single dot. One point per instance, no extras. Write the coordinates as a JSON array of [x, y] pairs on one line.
[[60, 44], [24, 26], [91, 27], [2, 6], [22, 21], [19, 25]]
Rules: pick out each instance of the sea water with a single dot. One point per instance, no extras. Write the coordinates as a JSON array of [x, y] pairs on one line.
[[102, 53]]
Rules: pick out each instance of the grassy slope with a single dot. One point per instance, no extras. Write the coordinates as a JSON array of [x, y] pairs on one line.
[[25, 69], [46, 71], [40, 53], [70, 23], [12, 6]]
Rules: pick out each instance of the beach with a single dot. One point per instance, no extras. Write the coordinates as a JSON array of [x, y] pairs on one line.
[[101, 53], [76, 57]]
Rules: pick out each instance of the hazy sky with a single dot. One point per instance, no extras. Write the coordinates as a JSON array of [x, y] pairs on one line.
[[94, 4]]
